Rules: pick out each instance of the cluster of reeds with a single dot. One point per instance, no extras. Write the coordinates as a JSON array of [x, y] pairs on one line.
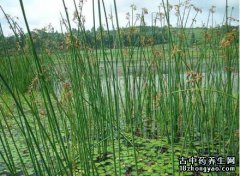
[[79, 109]]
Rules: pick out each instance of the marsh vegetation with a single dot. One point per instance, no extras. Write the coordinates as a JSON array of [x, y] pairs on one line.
[[118, 101]]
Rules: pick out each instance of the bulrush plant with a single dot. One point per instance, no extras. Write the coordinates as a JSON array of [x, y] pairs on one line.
[[119, 101]]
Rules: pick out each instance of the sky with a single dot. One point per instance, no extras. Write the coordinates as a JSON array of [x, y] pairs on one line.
[[41, 13]]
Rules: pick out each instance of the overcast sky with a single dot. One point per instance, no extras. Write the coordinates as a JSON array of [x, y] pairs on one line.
[[42, 12]]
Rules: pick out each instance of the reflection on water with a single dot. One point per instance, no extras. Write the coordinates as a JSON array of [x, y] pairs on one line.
[[135, 83]]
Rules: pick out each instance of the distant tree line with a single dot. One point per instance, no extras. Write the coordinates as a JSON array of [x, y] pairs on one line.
[[55, 41]]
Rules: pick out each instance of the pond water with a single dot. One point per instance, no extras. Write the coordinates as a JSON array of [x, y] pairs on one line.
[[141, 79]]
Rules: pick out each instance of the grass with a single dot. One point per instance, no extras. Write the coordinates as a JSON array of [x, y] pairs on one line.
[[122, 111]]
